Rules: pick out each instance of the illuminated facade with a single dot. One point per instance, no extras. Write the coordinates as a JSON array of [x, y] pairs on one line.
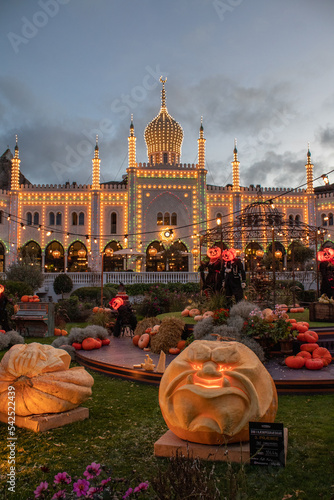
[[73, 227]]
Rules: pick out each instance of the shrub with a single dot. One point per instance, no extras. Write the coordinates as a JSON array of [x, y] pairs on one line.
[[92, 294], [26, 271], [9, 339], [101, 318], [62, 284], [69, 310], [16, 289]]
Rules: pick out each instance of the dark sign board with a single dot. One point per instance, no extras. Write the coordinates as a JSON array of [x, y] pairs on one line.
[[266, 444]]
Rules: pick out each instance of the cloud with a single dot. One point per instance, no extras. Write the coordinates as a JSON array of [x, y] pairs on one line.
[[326, 135]]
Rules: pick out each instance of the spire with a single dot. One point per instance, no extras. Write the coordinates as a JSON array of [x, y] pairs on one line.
[[96, 154], [235, 169], [96, 166], [201, 146], [309, 172], [132, 146], [163, 93], [15, 173]]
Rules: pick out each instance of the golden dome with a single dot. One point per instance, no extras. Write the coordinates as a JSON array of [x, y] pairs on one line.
[[163, 136]]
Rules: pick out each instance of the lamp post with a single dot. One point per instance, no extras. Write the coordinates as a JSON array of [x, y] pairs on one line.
[[107, 252]]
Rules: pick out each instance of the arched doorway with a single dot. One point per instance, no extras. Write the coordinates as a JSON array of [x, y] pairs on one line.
[[32, 251], [111, 262], [154, 260], [77, 259], [170, 258], [280, 253], [54, 258], [2, 258]]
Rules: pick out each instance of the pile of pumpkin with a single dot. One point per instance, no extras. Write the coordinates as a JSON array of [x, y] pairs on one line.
[[90, 343], [30, 298], [195, 313], [101, 310], [311, 356], [59, 332], [142, 341]]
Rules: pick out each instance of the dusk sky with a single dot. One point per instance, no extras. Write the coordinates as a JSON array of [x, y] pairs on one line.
[[260, 71]]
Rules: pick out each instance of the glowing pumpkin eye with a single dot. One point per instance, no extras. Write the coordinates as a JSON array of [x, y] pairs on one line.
[[196, 366], [223, 368]]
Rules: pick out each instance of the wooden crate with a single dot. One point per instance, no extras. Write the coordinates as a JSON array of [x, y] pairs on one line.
[[321, 312]]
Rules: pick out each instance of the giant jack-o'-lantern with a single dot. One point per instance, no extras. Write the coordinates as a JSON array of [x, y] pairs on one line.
[[42, 380], [229, 254], [213, 253], [210, 392], [116, 303], [325, 255]]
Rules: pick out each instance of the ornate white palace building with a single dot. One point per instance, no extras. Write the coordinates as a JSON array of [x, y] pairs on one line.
[[72, 227]]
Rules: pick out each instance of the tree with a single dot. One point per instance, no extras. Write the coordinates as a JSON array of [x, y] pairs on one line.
[[62, 284], [26, 270], [302, 254]]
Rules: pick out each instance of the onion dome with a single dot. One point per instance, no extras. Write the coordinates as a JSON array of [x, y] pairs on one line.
[[163, 136]]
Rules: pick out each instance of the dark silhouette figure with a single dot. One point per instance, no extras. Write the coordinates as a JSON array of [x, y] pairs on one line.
[[327, 278], [125, 317], [234, 278], [3, 313]]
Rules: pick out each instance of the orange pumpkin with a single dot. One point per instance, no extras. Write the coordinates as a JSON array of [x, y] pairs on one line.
[[135, 339], [301, 337], [314, 364], [98, 343], [295, 362], [25, 298], [105, 341], [57, 331], [304, 354], [148, 330], [63, 333], [174, 350], [311, 336], [181, 345], [88, 344], [77, 346], [185, 312], [144, 340], [95, 310], [3, 331], [323, 354], [16, 308], [308, 347], [31, 299], [194, 312], [301, 327]]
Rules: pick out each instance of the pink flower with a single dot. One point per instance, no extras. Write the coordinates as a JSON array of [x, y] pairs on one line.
[[62, 477], [127, 493], [81, 487], [105, 481], [141, 486], [39, 490], [92, 490], [92, 470], [59, 494]]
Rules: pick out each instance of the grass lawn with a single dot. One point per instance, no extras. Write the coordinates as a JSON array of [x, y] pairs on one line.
[[125, 421]]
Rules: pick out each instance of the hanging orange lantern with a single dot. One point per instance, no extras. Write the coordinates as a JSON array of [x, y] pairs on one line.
[[278, 254], [82, 253], [152, 251], [108, 252], [56, 254], [259, 253]]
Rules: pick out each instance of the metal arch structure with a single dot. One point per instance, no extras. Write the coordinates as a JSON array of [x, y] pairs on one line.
[[261, 222]]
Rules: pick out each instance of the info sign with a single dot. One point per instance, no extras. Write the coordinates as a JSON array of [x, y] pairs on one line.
[[266, 444]]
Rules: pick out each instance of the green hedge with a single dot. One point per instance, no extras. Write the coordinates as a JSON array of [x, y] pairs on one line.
[[17, 288], [142, 288], [93, 293]]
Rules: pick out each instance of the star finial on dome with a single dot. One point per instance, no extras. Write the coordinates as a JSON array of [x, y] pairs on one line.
[[163, 91]]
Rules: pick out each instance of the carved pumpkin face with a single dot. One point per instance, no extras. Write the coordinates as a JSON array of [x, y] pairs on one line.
[[326, 254], [210, 392], [229, 255], [214, 253], [116, 303]]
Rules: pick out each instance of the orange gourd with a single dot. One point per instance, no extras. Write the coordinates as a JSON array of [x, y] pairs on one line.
[[311, 336], [77, 346], [25, 298], [98, 343], [314, 364], [57, 331], [308, 347], [63, 333], [181, 345], [88, 344], [95, 310], [105, 341], [302, 327], [185, 312], [135, 339], [295, 362], [144, 340], [304, 354], [194, 312], [323, 354], [174, 350]]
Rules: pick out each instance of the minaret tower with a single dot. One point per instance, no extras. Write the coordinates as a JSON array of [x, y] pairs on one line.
[[133, 216], [15, 177], [235, 169], [201, 146], [309, 172], [96, 167], [310, 190]]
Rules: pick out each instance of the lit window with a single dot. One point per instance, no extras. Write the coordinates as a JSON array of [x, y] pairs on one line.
[[159, 219], [166, 219], [74, 219], [324, 219]]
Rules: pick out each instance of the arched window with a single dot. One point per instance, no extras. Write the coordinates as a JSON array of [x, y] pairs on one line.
[[58, 219], [1, 216], [74, 219], [165, 158], [297, 220], [29, 218], [324, 219], [113, 223], [151, 159], [330, 219], [159, 219], [36, 218], [51, 219], [166, 219], [290, 220], [173, 220], [81, 219]]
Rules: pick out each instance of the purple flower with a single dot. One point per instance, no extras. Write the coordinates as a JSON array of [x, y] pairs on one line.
[[59, 494], [62, 477], [127, 493], [92, 470], [92, 490], [81, 487], [39, 490]]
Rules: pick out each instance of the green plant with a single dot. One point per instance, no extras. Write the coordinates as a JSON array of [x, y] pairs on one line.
[[92, 294], [16, 289], [62, 284], [26, 270], [221, 316]]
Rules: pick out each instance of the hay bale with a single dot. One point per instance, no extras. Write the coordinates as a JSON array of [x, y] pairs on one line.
[[168, 336]]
